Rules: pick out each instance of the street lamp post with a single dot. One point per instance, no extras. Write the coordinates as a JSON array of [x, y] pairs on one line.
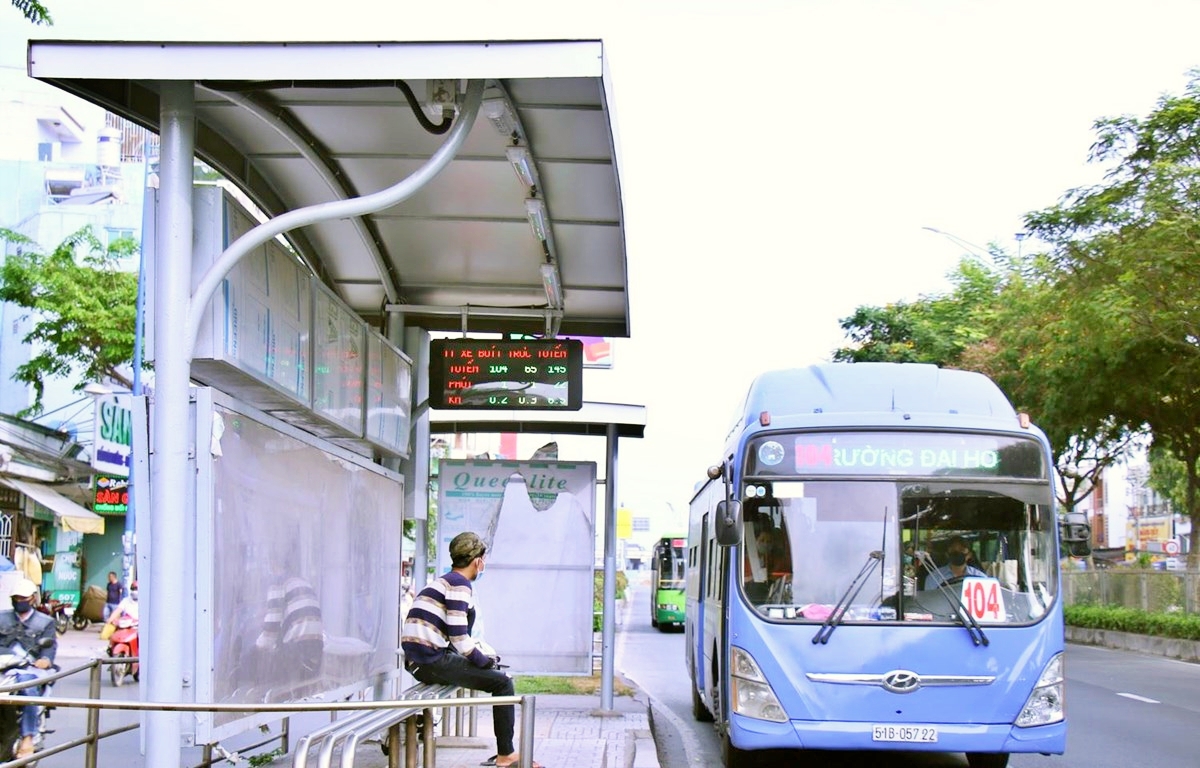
[[966, 244], [1020, 236]]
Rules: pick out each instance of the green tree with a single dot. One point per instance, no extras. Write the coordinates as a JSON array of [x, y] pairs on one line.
[[82, 306], [33, 11], [1003, 319], [1130, 250], [934, 329], [1037, 346]]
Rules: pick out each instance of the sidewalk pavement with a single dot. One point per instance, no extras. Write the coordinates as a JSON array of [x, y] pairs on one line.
[[570, 731]]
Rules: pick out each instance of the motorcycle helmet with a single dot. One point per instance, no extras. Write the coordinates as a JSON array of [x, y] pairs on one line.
[[24, 588]]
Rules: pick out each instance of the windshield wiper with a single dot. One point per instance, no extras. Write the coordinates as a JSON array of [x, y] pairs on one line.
[[839, 610], [960, 610]]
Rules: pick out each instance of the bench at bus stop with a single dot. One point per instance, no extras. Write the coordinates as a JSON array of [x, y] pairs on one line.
[[415, 712]]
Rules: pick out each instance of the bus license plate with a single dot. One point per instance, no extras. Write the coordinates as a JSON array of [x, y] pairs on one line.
[[925, 734]]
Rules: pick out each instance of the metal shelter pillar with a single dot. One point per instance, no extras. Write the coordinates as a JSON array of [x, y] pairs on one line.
[[163, 635], [608, 629], [416, 469]]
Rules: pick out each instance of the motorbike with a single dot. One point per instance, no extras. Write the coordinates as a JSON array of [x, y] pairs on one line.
[[123, 644], [14, 661], [60, 611]]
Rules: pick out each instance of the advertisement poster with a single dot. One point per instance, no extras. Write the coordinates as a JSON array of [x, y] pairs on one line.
[[534, 600]]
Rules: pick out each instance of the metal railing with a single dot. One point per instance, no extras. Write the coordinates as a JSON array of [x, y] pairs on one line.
[[1141, 589], [90, 741]]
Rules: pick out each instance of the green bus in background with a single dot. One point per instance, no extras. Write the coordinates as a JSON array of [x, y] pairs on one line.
[[668, 562]]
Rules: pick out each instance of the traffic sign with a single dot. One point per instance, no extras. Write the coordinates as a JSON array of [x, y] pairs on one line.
[[1171, 547]]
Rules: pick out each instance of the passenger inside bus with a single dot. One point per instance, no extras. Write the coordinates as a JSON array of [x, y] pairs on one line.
[[768, 564]]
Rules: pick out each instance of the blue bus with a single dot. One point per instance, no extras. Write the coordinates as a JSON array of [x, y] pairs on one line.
[[873, 565]]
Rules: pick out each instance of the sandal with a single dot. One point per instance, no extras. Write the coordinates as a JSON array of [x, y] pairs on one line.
[[516, 761], [490, 761]]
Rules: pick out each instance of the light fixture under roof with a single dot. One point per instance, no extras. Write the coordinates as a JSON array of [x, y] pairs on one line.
[[553, 285], [536, 210], [497, 110], [522, 163]]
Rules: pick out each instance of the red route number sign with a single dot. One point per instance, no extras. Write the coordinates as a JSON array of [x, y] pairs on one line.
[[983, 599]]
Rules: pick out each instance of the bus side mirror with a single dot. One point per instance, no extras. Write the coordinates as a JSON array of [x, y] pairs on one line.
[[729, 523], [1076, 534]]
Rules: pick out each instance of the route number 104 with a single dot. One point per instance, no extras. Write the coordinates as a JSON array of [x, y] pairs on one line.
[[983, 598]]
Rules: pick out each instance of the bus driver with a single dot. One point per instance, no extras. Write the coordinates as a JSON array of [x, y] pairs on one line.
[[958, 551]]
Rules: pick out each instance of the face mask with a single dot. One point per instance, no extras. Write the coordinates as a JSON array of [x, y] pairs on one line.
[[133, 595], [958, 558], [21, 606]]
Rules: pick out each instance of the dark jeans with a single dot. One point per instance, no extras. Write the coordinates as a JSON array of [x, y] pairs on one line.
[[455, 669]]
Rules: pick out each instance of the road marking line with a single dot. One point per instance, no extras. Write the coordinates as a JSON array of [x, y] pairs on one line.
[[1135, 697]]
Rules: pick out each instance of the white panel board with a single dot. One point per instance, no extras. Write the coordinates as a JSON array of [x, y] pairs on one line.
[[288, 510], [534, 604]]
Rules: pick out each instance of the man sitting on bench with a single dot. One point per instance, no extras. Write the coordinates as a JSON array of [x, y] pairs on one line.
[[439, 649]]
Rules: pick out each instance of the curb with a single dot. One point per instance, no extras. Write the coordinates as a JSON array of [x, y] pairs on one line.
[[1172, 648], [642, 745], [645, 751]]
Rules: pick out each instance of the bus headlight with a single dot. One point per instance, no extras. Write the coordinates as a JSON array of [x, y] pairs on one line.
[[750, 693], [1045, 703]]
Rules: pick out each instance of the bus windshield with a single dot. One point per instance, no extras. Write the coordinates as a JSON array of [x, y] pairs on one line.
[[670, 563], [954, 547]]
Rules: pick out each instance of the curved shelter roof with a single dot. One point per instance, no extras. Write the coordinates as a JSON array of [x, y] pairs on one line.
[[533, 196]]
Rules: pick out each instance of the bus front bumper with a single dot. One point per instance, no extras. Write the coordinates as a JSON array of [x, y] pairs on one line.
[[748, 733]]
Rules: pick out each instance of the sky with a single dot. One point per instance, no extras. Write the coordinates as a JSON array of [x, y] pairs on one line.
[[780, 162]]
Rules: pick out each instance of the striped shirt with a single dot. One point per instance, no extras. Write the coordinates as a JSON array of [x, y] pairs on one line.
[[293, 615], [440, 617]]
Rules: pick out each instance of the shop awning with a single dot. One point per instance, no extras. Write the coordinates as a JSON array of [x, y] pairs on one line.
[[70, 515]]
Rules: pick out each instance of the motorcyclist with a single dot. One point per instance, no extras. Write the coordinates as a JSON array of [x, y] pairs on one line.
[[127, 607], [24, 626]]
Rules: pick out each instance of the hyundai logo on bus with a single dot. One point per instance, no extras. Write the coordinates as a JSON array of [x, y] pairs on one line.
[[901, 681]]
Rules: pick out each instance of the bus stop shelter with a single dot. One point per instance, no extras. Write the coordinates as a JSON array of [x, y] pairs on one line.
[[429, 186]]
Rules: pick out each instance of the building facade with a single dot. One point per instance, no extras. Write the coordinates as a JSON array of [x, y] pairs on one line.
[[64, 165]]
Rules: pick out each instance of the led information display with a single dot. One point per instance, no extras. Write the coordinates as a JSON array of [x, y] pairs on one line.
[[527, 375], [918, 454]]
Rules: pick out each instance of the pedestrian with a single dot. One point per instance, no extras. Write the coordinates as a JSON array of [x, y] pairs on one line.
[[439, 648], [116, 593], [29, 628]]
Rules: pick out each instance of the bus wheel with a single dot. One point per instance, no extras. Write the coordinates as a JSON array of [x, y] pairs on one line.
[[699, 711], [987, 759], [654, 622]]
